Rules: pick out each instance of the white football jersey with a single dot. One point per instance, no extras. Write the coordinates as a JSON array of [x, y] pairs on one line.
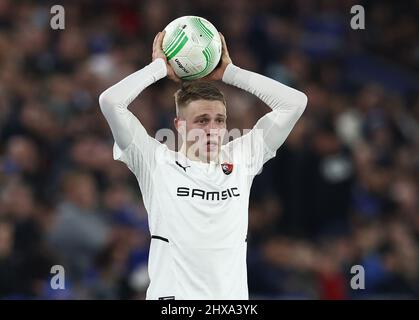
[[198, 216]]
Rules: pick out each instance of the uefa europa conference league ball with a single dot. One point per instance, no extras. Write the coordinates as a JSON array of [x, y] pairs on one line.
[[192, 46]]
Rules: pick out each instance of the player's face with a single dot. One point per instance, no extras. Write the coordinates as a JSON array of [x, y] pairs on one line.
[[205, 124]]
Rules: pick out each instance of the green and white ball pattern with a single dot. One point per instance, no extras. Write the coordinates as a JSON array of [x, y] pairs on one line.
[[192, 46]]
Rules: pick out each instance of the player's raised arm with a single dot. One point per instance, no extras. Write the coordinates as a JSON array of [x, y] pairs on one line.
[[115, 100], [287, 104]]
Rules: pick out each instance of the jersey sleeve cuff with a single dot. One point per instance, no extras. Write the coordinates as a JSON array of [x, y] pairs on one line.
[[235, 76], [158, 69]]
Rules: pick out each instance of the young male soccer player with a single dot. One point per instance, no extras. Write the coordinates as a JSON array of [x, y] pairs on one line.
[[197, 198]]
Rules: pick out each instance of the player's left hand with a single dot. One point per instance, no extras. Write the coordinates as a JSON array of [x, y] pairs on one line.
[[218, 72]]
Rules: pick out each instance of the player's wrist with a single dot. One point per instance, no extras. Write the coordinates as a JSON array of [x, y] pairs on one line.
[[158, 68], [229, 73]]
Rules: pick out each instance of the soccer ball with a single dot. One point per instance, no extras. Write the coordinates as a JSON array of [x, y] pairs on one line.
[[192, 46]]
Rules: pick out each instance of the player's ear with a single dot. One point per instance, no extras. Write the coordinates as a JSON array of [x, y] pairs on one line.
[[176, 123], [180, 124]]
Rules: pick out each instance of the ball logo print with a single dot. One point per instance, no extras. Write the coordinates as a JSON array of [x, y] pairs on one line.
[[192, 46]]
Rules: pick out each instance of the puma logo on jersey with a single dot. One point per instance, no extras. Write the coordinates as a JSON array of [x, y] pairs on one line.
[[184, 168], [207, 195]]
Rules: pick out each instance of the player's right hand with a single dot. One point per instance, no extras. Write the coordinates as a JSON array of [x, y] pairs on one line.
[[158, 53], [225, 60]]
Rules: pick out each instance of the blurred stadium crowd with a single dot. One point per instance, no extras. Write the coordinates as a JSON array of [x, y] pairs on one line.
[[342, 191]]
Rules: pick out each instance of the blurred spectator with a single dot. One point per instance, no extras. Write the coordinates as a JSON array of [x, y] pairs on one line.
[[78, 231]]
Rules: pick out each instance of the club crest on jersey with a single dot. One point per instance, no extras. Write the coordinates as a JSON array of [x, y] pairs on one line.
[[227, 168]]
